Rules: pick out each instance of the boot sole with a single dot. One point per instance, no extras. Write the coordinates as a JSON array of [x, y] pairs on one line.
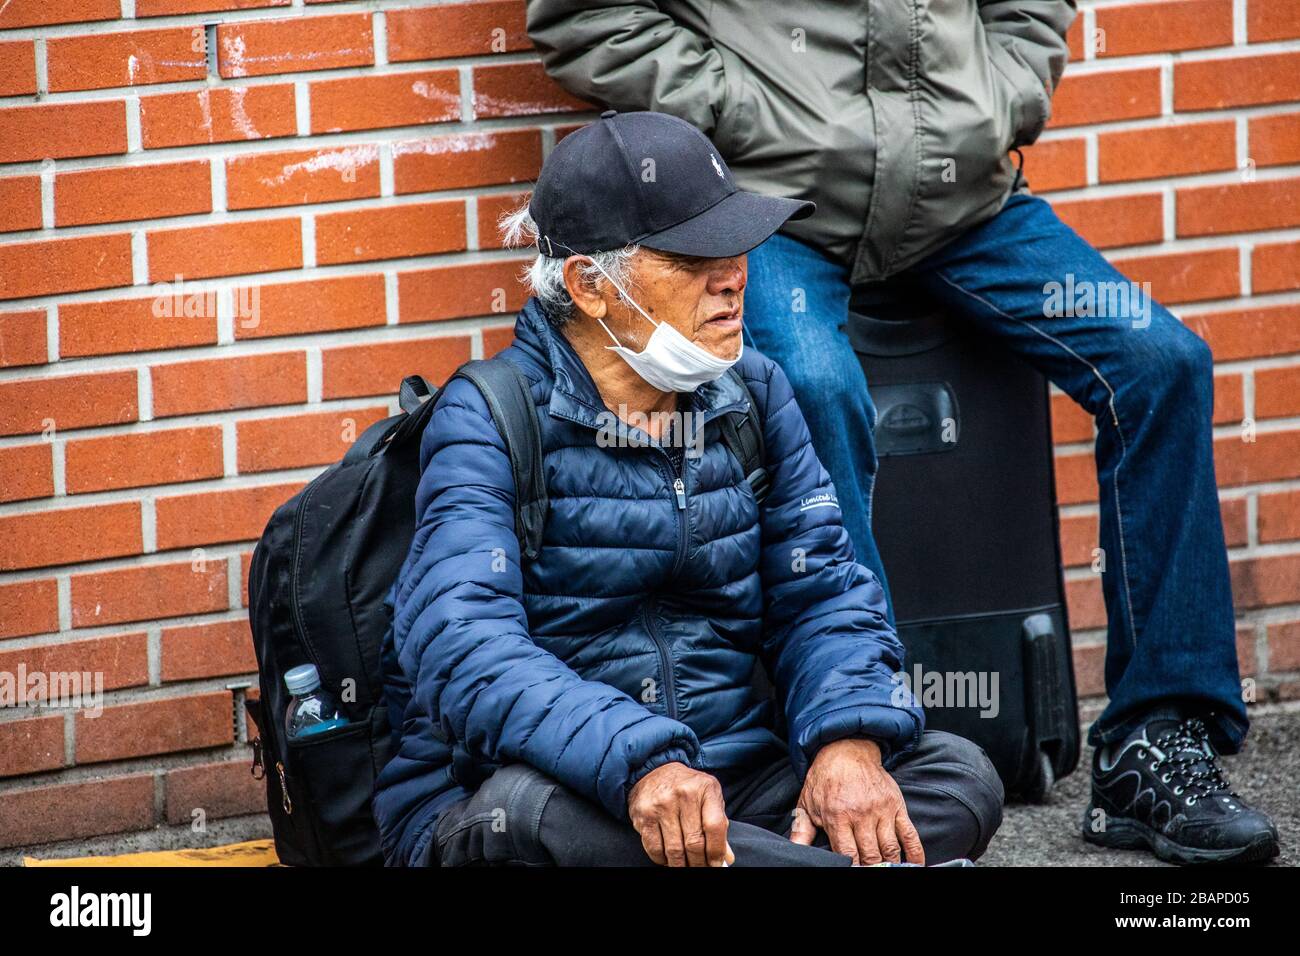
[[1126, 834]]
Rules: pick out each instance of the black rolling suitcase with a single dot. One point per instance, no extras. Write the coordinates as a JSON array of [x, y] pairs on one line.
[[964, 515]]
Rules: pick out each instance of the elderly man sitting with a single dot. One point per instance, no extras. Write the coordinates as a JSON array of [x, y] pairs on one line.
[[598, 705]]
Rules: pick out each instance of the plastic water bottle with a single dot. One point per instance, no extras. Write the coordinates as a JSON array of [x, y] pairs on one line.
[[312, 709]]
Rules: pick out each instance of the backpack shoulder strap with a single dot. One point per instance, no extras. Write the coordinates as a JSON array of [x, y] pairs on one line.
[[506, 391], [415, 391], [742, 433]]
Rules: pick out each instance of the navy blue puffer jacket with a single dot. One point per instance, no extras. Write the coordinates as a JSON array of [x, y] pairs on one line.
[[632, 640]]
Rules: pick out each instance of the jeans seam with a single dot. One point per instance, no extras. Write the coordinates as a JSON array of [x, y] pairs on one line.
[[1114, 413]]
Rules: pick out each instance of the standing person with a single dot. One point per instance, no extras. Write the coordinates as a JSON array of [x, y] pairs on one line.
[[896, 117]]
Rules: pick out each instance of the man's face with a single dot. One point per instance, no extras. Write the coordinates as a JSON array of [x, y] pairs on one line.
[[703, 299]]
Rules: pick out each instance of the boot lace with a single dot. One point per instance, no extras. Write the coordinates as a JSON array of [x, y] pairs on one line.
[[1189, 757]]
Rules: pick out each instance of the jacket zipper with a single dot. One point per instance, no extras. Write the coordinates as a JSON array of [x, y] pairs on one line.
[[678, 486], [665, 660]]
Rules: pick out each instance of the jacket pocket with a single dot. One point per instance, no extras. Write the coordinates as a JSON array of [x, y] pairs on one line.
[[1027, 102]]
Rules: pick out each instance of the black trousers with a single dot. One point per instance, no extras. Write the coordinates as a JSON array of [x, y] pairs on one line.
[[521, 817]]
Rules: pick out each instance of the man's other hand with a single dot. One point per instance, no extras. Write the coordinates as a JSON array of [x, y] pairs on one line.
[[681, 817], [849, 794]]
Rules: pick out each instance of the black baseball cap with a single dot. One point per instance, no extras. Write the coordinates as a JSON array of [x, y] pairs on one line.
[[653, 180]]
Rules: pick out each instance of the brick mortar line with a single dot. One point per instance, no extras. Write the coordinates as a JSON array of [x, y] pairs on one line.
[[232, 217], [246, 348], [292, 142], [206, 419], [1171, 58], [77, 635], [237, 482], [196, 84], [295, 12], [548, 122], [275, 277], [1162, 121]]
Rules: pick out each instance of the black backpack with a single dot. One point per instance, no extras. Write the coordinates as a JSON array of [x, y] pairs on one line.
[[317, 587]]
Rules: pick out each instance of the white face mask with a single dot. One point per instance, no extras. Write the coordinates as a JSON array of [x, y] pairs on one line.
[[670, 361]]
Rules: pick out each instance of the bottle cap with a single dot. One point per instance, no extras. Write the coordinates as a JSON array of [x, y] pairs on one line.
[[301, 679]]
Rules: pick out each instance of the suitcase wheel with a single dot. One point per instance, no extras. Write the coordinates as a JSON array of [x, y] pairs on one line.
[[1040, 784]]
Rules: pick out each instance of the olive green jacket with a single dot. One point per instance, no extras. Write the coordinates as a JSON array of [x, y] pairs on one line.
[[894, 116]]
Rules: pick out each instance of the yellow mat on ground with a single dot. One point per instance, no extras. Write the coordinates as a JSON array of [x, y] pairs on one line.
[[251, 853]]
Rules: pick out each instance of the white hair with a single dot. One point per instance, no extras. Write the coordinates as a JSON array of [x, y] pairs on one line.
[[544, 276]]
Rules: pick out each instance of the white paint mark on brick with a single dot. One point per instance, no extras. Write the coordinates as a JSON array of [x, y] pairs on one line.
[[390, 298], [232, 55], [239, 114], [446, 99], [447, 145], [314, 375], [149, 524], [343, 161]]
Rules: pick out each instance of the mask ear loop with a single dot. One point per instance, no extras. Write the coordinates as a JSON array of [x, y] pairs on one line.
[[623, 293]]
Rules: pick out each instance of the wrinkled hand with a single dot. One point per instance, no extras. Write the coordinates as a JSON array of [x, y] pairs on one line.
[[680, 815], [848, 794]]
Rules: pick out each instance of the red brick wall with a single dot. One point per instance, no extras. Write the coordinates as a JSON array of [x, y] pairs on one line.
[[140, 455]]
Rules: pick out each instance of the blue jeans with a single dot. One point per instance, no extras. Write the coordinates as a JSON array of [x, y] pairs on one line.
[[1148, 381]]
